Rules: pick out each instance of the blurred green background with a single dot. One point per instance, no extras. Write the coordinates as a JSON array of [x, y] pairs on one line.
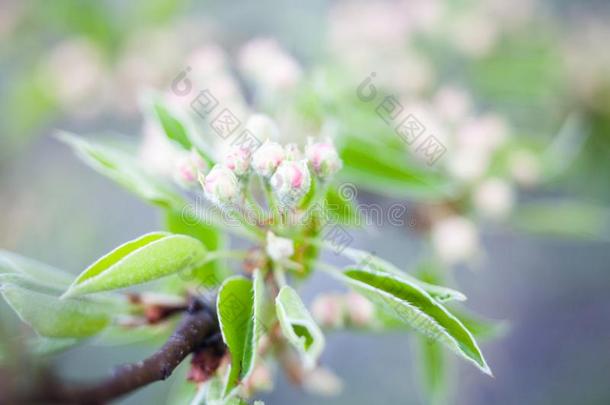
[[78, 65]]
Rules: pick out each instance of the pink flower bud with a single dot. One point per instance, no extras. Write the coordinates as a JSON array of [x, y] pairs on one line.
[[188, 167], [359, 310], [221, 186], [267, 158], [238, 160], [328, 310], [324, 158], [290, 182]]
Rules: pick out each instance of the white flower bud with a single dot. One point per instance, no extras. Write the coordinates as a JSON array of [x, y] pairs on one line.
[[453, 104], [468, 164], [359, 309], [324, 158], [267, 158], [279, 248], [238, 160], [494, 198], [290, 182], [455, 240], [328, 310], [322, 381], [221, 186], [263, 127], [524, 167], [188, 167], [292, 152]]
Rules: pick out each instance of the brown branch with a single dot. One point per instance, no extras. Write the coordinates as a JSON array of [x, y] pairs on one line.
[[192, 335]]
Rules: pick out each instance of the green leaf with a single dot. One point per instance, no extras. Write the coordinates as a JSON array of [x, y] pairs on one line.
[[43, 346], [173, 128], [214, 272], [342, 209], [385, 171], [563, 218], [239, 312], [177, 126], [481, 328], [433, 370], [298, 326], [118, 335], [413, 305], [147, 258], [121, 167], [52, 317], [42, 273], [376, 264]]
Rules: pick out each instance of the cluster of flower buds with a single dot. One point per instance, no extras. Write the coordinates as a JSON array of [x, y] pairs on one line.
[[336, 310], [285, 169]]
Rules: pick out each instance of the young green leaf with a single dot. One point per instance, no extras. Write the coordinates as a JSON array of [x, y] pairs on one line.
[[173, 128], [177, 126], [413, 305], [239, 312], [185, 223], [376, 264], [563, 218], [120, 167], [391, 175], [433, 370], [147, 258], [298, 326], [42, 273], [44, 346], [481, 328], [343, 210], [51, 317]]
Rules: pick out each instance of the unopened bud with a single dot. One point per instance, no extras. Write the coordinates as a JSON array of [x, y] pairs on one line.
[[279, 248], [328, 310], [238, 160], [290, 182], [524, 166], [494, 198], [267, 158], [322, 381], [187, 168], [324, 158], [221, 186], [359, 309], [455, 240]]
